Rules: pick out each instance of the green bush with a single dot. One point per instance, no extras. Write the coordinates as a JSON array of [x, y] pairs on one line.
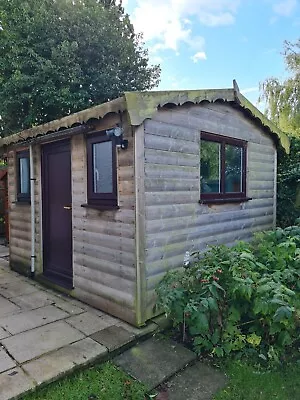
[[243, 300]]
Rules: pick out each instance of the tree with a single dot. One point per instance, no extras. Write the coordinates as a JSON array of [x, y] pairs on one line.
[[288, 187], [283, 98], [61, 56], [283, 108]]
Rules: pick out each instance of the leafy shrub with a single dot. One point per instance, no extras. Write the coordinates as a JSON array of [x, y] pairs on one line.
[[244, 299]]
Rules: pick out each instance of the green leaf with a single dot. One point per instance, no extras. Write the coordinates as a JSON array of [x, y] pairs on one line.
[[284, 338], [218, 351], [213, 305], [215, 337], [200, 324], [282, 313]]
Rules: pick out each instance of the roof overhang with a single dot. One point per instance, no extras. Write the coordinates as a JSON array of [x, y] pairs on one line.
[[143, 105]]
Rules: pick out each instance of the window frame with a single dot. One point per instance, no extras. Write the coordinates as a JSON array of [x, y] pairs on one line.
[[23, 197], [100, 200], [223, 196]]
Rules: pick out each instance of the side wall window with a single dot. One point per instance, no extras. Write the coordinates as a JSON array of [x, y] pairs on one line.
[[101, 170], [23, 176], [222, 167]]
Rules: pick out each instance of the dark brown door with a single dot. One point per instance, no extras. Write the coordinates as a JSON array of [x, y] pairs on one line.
[[57, 213]]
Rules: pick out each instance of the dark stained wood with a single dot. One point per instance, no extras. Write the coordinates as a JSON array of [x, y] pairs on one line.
[[224, 140], [57, 213], [101, 199]]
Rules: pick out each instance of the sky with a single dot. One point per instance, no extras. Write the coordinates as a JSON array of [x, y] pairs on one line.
[[208, 43]]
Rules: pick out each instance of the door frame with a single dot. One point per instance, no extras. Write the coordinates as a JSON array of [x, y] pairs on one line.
[[43, 208]]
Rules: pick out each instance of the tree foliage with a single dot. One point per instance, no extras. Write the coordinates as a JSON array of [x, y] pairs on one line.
[[283, 97], [288, 187], [60, 56]]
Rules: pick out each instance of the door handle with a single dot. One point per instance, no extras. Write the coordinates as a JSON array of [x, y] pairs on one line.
[[68, 207]]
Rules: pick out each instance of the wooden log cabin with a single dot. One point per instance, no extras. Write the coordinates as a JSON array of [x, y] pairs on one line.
[[103, 202]]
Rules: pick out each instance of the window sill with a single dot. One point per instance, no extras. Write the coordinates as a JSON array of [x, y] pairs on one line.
[[224, 201], [22, 202], [100, 207]]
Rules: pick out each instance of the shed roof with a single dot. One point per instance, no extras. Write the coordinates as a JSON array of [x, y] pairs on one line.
[[143, 105]]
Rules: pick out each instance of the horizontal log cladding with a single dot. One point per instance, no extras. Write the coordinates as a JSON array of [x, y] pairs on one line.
[[175, 222]]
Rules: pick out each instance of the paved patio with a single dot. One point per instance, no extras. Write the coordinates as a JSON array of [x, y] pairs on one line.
[[44, 334]]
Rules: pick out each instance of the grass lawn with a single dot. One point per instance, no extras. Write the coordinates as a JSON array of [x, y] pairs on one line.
[[103, 382], [248, 383], [107, 382]]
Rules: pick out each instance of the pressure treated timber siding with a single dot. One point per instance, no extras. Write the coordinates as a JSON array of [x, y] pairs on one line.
[[104, 241], [20, 216], [175, 222]]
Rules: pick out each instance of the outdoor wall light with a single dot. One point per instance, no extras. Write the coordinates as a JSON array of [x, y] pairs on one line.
[[117, 132]]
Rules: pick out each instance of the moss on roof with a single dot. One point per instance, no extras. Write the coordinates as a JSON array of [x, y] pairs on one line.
[[143, 105]]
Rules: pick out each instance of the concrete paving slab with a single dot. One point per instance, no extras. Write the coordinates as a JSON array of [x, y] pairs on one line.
[[196, 382], [113, 337], [4, 262], [143, 331], [4, 251], [31, 319], [68, 307], [34, 300], [30, 344], [154, 360], [16, 288], [52, 365], [110, 320], [7, 278], [6, 362], [13, 383], [7, 307], [88, 323], [3, 333]]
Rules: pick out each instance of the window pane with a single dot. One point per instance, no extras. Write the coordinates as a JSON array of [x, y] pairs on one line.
[[102, 167], [210, 167], [233, 169], [24, 175]]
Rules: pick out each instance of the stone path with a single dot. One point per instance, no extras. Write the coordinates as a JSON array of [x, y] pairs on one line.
[[161, 361], [44, 335]]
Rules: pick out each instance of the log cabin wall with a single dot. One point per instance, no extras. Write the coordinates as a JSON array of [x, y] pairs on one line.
[[20, 217], [175, 222], [104, 241], [104, 256]]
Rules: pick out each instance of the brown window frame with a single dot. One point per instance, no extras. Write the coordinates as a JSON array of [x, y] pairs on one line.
[[100, 200], [223, 196], [22, 197]]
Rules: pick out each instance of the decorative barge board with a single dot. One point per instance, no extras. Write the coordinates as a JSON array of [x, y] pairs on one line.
[[152, 175]]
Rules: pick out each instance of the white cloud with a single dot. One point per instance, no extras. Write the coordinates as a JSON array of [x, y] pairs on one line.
[[285, 8], [168, 23], [250, 90], [199, 56]]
